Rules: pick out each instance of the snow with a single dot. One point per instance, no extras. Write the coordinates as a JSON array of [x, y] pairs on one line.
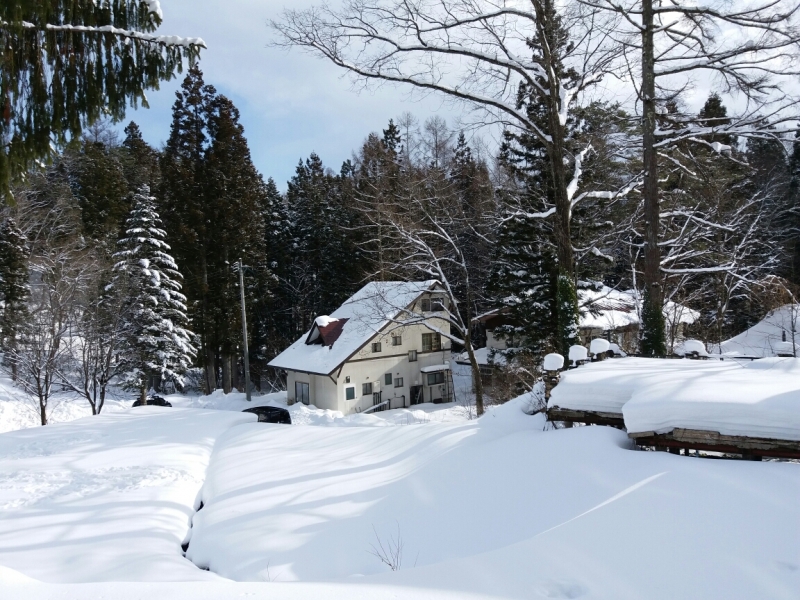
[[484, 356], [691, 346], [435, 368], [578, 353], [553, 362], [324, 321], [765, 337], [106, 498], [599, 346], [608, 309], [756, 399], [608, 385], [368, 311], [490, 508]]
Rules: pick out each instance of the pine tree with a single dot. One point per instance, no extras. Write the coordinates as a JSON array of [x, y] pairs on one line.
[[66, 64], [14, 289], [157, 346], [139, 160]]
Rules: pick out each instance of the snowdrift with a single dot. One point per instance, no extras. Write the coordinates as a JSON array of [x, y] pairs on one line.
[[769, 337], [755, 399]]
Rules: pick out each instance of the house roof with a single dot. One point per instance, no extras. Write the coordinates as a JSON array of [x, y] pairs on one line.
[[610, 309], [333, 339]]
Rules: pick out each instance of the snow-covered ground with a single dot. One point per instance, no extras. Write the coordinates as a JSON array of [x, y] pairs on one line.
[[777, 333], [496, 507]]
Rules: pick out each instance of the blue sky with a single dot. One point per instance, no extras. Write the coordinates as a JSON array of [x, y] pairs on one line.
[[291, 103]]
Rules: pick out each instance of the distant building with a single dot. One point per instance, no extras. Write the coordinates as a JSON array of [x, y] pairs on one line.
[[605, 313], [381, 349]]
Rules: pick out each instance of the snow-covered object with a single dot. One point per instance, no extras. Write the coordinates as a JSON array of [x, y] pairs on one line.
[[763, 338], [617, 350], [578, 353], [367, 312], [688, 347], [608, 385], [599, 346], [785, 349], [324, 320], [553, 362], [609, 309], [484, 356], [108, 497], [756, 399]]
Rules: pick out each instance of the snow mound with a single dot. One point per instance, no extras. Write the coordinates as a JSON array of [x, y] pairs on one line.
[[324, 320], [577, 353], [690, 347], [764, 338], [608, 385], [599, 346], [757, 399], [553, 362]]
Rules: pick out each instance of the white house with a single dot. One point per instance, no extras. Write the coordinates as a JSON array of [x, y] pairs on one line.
[[383, 348]]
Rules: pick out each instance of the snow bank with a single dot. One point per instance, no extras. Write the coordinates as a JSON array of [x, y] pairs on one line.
[[607, 386], [765, 337], [107, 497], [756, 399]]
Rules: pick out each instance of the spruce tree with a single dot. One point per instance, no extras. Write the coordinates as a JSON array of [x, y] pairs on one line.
[[63, 65], [157, 347], [14, 290]]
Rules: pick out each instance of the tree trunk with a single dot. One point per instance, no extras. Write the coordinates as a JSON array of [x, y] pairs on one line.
[[652, 334], [211, 371], [236, 380], [226, 373], [476, 373]]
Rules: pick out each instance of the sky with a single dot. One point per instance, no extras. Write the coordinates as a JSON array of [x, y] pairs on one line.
[[291, 103]]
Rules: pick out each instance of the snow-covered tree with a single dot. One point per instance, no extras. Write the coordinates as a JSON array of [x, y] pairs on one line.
[[156, 344]]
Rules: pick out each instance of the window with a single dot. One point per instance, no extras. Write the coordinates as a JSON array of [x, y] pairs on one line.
[[366, 389], [347, 379], [397, 340], [437, 305], [431, 342], [301, 392], [387, 379], [435, 378], [398, 382], [376, 347], [412, 356], [425, 305], [350, 393]]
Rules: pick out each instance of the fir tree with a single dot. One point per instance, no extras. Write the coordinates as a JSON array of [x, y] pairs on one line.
[[14, 290], [157, 346], [65, 64]]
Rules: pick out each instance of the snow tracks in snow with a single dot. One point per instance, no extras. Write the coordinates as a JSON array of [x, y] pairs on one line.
[[107, 498]]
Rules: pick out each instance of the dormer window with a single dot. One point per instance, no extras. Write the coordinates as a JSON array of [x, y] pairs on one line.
[[325, 331], [433, 304]]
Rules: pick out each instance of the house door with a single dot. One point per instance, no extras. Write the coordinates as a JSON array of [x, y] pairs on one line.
[[301, 392], [416, 394]]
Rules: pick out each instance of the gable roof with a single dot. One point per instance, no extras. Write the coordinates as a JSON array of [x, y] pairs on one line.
[[334, 339]]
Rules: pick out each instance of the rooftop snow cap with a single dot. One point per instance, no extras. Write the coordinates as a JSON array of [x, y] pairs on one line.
[[326, 330]]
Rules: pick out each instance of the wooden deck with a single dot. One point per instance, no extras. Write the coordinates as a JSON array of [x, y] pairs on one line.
[[713, 441], [588, 417]]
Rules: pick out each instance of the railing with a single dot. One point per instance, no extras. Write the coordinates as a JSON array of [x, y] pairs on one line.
[[378, 407]]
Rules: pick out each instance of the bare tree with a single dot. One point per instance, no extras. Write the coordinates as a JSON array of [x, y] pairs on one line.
[[499, 57], [751, 50]]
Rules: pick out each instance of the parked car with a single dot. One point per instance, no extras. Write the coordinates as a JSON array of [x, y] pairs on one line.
[[153, 401], [270, 414]]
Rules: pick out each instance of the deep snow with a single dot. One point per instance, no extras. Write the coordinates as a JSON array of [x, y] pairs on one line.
[[495, 507]]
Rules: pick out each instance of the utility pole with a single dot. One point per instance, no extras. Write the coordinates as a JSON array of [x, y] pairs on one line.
[[244, 333]]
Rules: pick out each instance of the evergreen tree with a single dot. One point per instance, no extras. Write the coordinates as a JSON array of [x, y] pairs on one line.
[[157, 347], [63, 65], [139, 160], [14, 289]]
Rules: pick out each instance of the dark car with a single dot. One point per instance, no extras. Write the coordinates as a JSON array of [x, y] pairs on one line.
[[153, 401], [270, 414]]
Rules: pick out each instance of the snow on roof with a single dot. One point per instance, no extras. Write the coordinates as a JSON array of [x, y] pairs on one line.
[[435, 368], [608, 309], [367, 312], [765, 337], [755, 399]]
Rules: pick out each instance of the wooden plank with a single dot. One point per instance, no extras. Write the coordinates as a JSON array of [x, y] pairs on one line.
[[713, 441], [585, 416]]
